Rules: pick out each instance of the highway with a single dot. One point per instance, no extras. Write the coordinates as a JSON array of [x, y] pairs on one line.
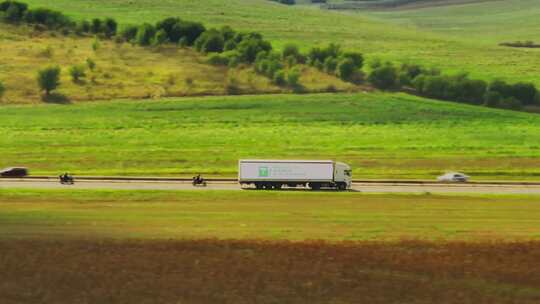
[[365, 187]]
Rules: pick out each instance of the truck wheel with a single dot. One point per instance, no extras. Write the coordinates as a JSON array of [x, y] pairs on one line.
[[341, 186], [315, 186]]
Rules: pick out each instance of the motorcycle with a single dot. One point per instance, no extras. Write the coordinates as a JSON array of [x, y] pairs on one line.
[[66, 180], [199, 182]]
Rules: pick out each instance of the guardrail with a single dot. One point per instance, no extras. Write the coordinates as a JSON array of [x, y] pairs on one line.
[[356, 181]]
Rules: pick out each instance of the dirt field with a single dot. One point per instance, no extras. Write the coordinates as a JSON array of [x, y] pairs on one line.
[[210, 271]]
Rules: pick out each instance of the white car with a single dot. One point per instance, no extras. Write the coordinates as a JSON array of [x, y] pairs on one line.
[[453, 177]]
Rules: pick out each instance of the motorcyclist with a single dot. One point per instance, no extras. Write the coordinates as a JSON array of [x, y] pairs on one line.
[[197, 180], [65, 177]]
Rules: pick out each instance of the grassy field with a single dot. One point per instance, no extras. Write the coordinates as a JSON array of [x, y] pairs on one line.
[[486, 21], [308, 26], [380, 135], [59, 246], [262, 215], [239, 272], [126, 71]]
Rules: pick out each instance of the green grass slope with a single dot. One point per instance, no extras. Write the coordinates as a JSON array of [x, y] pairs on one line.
[[487, 21], [265, 215], [380, 135], [308, 26]]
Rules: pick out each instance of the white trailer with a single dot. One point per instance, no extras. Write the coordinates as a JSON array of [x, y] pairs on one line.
[[274, 174]]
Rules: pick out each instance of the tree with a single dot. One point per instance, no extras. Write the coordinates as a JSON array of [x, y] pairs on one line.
[[129, 33], [49, 79], [357, 58], [330, 65], [290, 50], [492, 99], [384, 77], [191, 31], [525, 92], [210, 41], [110, 26], [96, 26], [346, 69], [83, 27], [248, 48], [14, 11], [171, 28], [145, 34]]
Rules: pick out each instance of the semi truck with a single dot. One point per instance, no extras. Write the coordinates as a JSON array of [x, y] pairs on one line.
[[275, 174]]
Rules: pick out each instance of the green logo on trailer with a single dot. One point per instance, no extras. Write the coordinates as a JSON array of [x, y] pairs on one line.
[[263, 172]]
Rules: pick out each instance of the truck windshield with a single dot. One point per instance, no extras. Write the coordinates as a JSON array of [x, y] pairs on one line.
[[348, 172]]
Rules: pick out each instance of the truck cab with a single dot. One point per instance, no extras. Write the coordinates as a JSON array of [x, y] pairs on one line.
[[343, 175]]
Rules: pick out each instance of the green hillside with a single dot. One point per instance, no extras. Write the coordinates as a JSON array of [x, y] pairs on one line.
[[488, 21], [308, 26], [380, 135]]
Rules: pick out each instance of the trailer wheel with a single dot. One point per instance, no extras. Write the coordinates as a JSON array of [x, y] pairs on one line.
[[278, 186], [258, 186]]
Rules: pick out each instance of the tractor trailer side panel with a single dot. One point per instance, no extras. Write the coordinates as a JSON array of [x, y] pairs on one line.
[[308, 171]]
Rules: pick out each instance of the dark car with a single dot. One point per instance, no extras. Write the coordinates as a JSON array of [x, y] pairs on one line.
[[14, 172]]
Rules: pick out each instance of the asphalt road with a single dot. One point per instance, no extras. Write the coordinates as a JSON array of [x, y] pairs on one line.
[[359, 187]]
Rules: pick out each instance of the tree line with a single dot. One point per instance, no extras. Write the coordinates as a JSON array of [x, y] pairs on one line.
[[458, 88]]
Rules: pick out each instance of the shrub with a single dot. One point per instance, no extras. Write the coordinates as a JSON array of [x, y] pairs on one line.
[[357, 59], [526, 93], [293, 78], [110, 27], [83, 27], [290, 50], [384, 77], [160, 38], [230, 45], [501, 87], [2, 89], [77, 72], [468, 90], [492, 99], [14, 11], [279, 78], [250, 47], [49, 79], [436, 86], [91, 64], [218, 59], [129, 33], [227, 32], [232, 87], [408, 73], [510, 103], [346, 69], [145, 34], [171, 27], [190, 30], [320, 55], [330, 65], [48, 18], [96, 45]]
